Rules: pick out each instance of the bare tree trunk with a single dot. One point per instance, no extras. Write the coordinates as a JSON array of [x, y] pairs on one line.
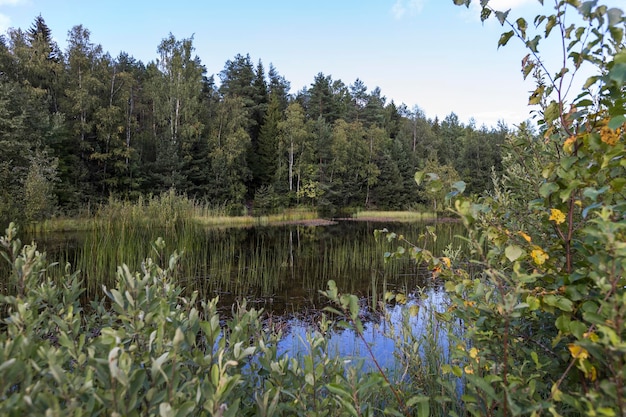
[[291, 167], [129, 115]]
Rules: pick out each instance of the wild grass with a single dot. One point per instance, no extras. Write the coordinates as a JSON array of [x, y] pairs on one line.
[[399, 216], [220, 257], [163, 211]]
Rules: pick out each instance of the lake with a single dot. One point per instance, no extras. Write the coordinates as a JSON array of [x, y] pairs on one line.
[[278, 268]]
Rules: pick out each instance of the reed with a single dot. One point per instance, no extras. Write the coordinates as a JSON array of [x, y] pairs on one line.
[[398, 216], [287, 264]]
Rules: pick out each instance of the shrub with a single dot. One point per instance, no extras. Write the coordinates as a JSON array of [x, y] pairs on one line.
[[545, 318], [146, 350]]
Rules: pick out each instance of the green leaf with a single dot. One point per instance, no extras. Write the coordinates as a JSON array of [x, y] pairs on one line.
[[419, 177], [117, 297], [563, 323], [620, 57], [423, 405], [618, 73], [534, 44], [522, 26], [571, 187], [342, 395], [435, 186], [513, 252], [617, 121], [536, 96], [618, 184], [484, 14], [483, 385], [615, 16], [590, 81], [459, 186], [593, 193], [578, 329], [559, 302], [551, 112], [548, 188], [528, 67], [505, 37], [550, 24], [617, 34], [533, 303]]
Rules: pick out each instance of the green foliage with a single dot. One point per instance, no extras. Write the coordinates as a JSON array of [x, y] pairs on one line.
[[117, 127], [39, 199], [148, 349], [543, 313]]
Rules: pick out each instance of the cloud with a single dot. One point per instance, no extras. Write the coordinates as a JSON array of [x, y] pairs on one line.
[[510, 4], [473, 12], [5, 23], [12, 2], [402, 8]]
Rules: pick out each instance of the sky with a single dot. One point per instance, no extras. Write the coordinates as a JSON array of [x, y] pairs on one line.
[[426, 53]]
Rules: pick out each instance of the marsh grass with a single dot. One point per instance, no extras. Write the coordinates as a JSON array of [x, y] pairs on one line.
[[281, 267], [239, 257], [163, 211], [398, 216]]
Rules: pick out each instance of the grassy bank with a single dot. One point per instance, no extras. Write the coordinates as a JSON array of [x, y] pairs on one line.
[[398, 216], [170, 209]]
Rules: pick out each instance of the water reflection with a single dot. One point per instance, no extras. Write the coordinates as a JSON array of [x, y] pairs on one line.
[[278, 268], [282, 270], [400, 325]]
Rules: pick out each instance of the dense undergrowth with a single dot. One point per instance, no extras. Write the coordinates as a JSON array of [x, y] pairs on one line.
[[145, 349]]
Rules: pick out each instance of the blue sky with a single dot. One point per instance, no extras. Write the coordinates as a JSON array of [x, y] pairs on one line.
[[428, 53]]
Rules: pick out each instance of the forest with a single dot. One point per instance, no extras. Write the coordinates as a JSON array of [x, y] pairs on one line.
[[79, 126]]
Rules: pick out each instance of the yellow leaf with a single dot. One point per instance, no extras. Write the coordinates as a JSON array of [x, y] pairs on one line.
[[568, 145], [557, 216], [609, 136], [473, 353], [556, 393], [592, 374], [400, 298], [578, 352], [539, 256], [525, 236]]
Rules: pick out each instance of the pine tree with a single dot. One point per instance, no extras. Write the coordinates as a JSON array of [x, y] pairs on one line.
[[267, 149]]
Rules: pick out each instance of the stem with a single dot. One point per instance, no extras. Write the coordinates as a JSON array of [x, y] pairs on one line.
[[380, 369]]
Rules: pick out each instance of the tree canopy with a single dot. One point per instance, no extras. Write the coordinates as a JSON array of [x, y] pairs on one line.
[[115, 126]]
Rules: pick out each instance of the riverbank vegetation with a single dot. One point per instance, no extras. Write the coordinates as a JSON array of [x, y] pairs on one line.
[[166, 210], [144, 348]]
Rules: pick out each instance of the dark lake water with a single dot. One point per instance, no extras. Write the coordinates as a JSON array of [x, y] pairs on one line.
[[278, 268]]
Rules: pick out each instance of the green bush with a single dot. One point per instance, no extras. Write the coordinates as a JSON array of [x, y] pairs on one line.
[[145, 349], [544, 318]]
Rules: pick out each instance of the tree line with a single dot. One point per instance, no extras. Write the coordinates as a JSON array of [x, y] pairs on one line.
[[78, 126]]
